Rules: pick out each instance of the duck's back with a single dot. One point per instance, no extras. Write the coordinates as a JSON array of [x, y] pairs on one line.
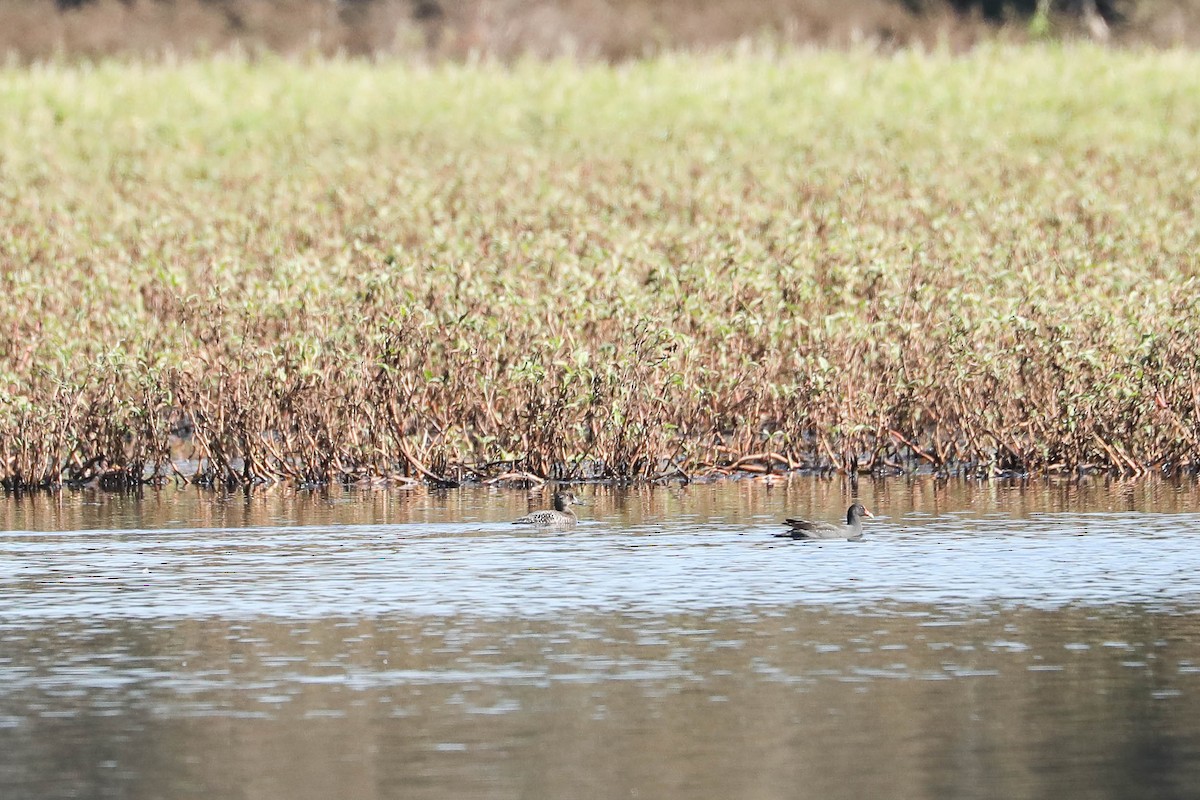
[[557, 518], [809, 529]]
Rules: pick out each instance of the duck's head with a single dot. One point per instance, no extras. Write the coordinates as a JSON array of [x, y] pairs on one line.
[[857, 511], [565, 499]]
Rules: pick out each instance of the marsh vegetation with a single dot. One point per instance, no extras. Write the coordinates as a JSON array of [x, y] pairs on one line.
[[242, 272]]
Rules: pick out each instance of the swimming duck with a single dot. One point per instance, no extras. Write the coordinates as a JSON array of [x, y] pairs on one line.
[[561, 517], [807, 529]]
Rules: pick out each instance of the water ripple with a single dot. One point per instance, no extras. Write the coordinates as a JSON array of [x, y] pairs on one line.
[[439, 569]]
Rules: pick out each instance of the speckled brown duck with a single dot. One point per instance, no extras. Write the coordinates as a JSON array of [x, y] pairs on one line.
[[561, 516]]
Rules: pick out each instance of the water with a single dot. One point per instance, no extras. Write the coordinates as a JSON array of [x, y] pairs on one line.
[[986, 640]]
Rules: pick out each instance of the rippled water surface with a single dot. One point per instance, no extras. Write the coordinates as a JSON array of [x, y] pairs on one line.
[[986, 640]]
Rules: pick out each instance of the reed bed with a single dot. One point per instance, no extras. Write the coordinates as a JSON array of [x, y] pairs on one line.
[[239, 273]]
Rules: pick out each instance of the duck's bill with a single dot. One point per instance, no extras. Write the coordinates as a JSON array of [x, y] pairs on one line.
[[867, 511]]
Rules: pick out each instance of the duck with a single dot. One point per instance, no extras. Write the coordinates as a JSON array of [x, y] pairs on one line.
[[808, 529], [560, 516]]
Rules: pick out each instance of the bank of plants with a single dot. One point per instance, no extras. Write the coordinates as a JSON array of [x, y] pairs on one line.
[[243, 273]]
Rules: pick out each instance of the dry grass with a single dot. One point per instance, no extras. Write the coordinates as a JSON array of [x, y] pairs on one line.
[[308, 273]]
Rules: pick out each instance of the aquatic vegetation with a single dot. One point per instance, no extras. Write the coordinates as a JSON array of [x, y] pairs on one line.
[[236, 272]]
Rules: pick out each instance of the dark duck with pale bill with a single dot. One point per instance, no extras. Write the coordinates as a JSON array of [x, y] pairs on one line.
[[808, 529]]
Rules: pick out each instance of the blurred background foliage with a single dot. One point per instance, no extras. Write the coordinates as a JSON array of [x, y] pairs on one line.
[[612, 30]]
